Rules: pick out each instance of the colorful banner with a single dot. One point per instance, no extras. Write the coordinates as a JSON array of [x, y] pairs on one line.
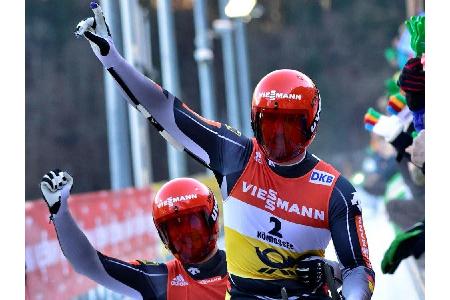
[[118, 224]]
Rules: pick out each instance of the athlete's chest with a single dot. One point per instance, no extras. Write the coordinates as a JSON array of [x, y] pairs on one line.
[[288, 213], [181, 285], [303, 200]]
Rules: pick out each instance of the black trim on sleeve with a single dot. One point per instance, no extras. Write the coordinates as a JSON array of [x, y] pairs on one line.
[[166, 93], [156, 124], [123, 85]]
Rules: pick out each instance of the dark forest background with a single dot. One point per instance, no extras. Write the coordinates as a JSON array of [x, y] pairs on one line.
[[339, 44]]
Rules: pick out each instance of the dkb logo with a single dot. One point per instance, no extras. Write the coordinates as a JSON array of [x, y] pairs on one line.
[[320, 177]]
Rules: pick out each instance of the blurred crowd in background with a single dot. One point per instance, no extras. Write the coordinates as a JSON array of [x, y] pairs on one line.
[[394, 166]]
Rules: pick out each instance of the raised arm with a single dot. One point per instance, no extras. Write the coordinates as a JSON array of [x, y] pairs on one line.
[[350, 242], [114, 274], [207, 141]]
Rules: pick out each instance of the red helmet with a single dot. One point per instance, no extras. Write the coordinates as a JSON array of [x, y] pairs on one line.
[[186, 213], [285, 114]]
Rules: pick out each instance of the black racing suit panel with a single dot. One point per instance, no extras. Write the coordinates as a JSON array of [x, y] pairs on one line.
[[149, 279]]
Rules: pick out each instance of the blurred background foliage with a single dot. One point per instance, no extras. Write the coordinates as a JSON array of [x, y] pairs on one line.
[[339, 44]]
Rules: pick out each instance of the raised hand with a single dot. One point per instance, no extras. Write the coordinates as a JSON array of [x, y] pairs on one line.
[[55, 188], [388, 127], [410, 242], [391, 128], [416, 27], [96, 31]]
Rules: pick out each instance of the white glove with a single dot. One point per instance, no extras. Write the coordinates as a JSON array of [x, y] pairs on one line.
[[55, 188], [388, 127], [96, 31]]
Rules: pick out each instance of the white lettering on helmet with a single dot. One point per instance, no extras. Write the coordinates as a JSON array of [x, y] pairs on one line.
[[215, 211], [273, 94], [171, 200]]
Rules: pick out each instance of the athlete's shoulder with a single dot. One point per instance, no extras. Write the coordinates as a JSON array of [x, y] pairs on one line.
[[148, 265], [322, 173], [345, 186], [324, 164], [140, 262], [344, 197], [344, 193]]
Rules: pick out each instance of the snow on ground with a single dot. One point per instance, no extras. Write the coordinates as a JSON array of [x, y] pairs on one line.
[[379, 232]]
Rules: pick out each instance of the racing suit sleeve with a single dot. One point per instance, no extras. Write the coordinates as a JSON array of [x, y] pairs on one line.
[[116, 275], [217, 146], [350, 242]]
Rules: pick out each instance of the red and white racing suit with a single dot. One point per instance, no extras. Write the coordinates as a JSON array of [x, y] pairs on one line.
[[274, 215]]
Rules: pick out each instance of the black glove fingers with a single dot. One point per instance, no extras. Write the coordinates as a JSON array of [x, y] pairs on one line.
[[106, 24], [77, 30], [51, 175], [107, 27], [48, 181], [53, 179], [311, 273]]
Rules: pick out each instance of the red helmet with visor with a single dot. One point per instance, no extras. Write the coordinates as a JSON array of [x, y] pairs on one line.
[[186, 213], [285, 114]]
